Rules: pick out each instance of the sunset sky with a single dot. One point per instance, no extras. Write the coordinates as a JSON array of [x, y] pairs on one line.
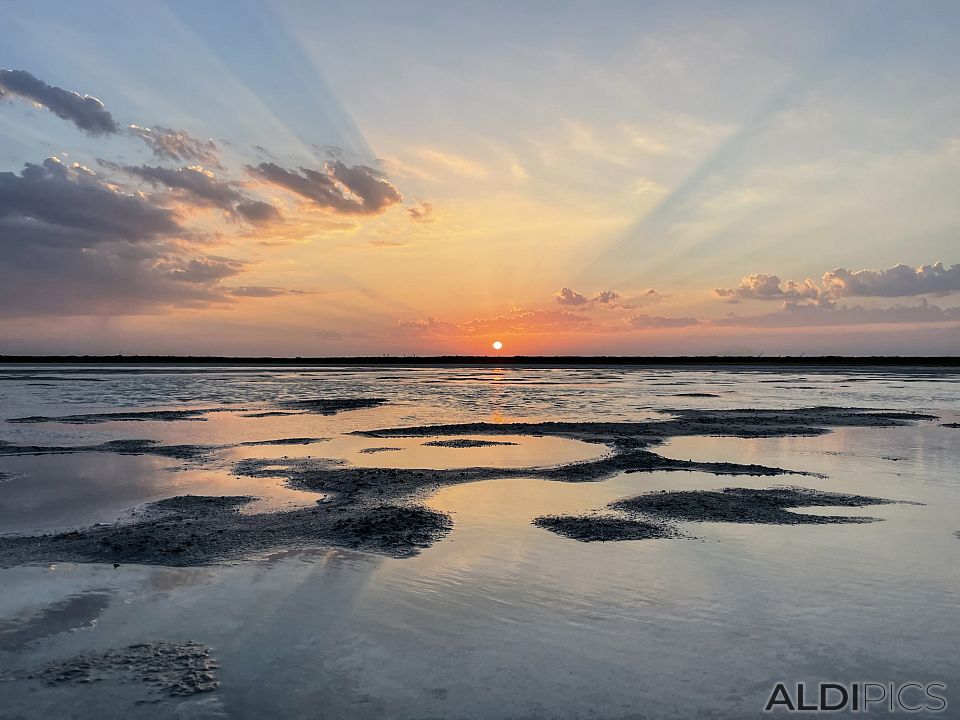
[[303, 178]]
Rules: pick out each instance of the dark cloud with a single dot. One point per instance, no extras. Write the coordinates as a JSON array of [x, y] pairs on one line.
[[898, 281], [258, 212], [84, 111], [177, 145], [657, 322], [357, 190], [200, 184], [73, 244], [606, 297], [71, 202]]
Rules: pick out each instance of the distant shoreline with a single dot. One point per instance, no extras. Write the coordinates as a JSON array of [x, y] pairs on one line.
[[490, 360]]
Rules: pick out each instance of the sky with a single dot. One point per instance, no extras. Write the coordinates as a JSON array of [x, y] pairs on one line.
[[368, 178]]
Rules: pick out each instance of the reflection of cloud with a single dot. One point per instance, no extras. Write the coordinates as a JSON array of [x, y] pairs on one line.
[[359, 190], [84, 111], [177, 145]]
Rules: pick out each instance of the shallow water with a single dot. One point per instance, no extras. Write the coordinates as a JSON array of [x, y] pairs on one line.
[[501, 619]]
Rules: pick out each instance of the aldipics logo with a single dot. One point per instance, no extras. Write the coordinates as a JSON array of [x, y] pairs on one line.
[[859, 697]]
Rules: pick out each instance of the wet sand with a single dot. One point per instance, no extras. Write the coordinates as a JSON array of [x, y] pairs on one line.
[[376, 510]]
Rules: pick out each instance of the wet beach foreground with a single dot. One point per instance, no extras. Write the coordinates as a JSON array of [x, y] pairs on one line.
[[470, 542]]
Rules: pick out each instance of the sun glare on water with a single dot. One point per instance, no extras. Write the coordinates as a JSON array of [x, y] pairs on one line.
[[497, 345]]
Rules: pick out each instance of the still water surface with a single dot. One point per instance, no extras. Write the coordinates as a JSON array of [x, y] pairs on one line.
[[501, 619]]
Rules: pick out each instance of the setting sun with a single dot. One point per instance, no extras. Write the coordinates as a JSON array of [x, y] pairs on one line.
[[497, 345]]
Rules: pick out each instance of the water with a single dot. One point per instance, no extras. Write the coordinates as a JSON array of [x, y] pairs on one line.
[[501, 619]]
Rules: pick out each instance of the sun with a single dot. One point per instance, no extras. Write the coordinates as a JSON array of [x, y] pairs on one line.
[[497, 345]]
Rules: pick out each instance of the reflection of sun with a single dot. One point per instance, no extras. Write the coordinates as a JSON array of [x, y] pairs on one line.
[[497, 345]]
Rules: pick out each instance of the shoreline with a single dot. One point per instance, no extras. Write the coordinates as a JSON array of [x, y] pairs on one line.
[[545, 361]]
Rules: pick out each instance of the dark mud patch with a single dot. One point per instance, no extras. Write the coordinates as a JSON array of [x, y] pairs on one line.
[[352, 483], [162, 668], [604, 528], [120, 447], [90, 418], [269, 413], [195, 530], [696, 395], [283, 441], [467, 443], [331, 406], [373, 450], [747, 505], [951, 425], [75, 612], [146, 447], [724, 423]]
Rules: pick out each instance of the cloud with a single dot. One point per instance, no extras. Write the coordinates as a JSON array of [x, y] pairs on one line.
[[259, 212], [84, 111], [801, 315], [898, 281], [514, 322], [201, 185], [261, 291], [74, 244], [70, 204], [357, 190], [422, 213], [566, 296], [177, 145], [770, 287], [657, 322]]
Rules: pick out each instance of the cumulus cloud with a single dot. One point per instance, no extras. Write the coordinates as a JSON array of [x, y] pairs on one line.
[[566, 296], [356, 190], [177, 145], [770, 287], [84, 111], [898, 281]]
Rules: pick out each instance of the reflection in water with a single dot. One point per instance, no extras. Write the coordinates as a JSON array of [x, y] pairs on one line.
[[502, 619]]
